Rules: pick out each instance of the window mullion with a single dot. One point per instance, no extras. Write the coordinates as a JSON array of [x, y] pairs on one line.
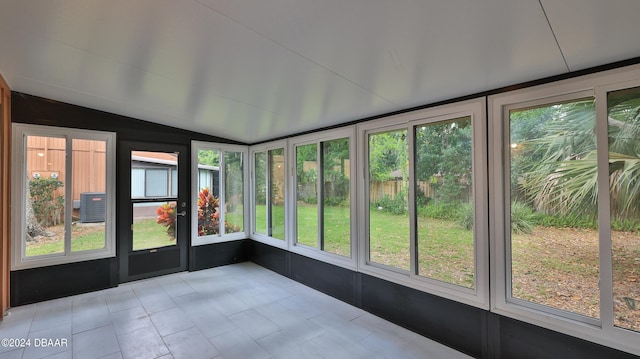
[[320, 195], [413, 245], [221, 194], [268, 195], [604, 215], [68, 194]]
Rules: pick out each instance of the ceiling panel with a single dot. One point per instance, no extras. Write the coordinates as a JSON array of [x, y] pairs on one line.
[[254, 70], [595, 32], [398, 49]]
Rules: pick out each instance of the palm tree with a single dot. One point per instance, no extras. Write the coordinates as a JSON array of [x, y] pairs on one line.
[[563, 177]]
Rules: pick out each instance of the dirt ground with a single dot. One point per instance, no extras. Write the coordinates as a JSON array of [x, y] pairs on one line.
[[558, 267]]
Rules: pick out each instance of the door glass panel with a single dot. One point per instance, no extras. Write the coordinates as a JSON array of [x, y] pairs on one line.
[[234, 192], [389, 230], [154, 225], [45, 210], [553, 207], [89, 198], [624, 193], [444, 201], [307, 194]]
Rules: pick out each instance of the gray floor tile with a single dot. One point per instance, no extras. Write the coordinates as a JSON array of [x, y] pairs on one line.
[[122, 300], [13, 353], [254, 324], [237, 344], [96, 343], [190, 343], [142, 344], [130, 320], [49, 341], [171, 321]]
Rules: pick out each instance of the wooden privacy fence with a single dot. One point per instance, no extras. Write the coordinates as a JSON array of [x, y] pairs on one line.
[[378, 190], [46, 157]]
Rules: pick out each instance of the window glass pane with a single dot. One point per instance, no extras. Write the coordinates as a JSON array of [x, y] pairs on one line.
[[208, 206], [336, 200], [234, 192], [277, 193], [307, 194], [156, 182], [154, 225], [624, 170], [389, 231], [444, 201], [137, 182], [89, 171], [45, 190], [553, 207], [260, 195]]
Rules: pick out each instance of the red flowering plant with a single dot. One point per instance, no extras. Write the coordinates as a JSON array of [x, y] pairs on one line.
[[167, 217], [209, 215]]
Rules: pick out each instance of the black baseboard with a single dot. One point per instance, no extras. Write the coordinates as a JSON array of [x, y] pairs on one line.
[[218, 254], [45, 283]]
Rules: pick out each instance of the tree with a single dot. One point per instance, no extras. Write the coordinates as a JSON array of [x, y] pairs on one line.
[[562, 177], [443, 157]]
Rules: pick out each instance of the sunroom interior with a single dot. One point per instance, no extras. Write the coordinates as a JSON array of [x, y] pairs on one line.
[[465, 170]]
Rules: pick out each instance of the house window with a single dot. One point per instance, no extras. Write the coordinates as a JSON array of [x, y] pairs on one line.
[[425, 212], [269, 193], [552, 151], [324, 195], [565, 206], [444, 201], [388, 215], [66, 196], [218, 192]]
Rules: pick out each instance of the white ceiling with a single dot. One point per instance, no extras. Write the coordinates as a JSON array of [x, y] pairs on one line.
[[253, 70]]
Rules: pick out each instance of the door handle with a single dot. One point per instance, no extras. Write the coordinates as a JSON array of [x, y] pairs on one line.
[[183, 213]]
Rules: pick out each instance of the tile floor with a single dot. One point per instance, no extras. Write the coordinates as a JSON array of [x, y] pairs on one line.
[[237, 311]]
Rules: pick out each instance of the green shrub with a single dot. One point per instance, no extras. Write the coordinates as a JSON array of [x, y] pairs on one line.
[[465, 216], [47, 205], [395, 205], [523, 219]]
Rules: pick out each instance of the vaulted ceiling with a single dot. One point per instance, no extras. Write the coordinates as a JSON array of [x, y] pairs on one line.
[[253, 70]]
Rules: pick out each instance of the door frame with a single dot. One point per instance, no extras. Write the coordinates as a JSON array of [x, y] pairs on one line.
[[152, 257]]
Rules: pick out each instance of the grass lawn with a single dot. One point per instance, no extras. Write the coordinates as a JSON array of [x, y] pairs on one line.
[[147, 234], [277, 214]]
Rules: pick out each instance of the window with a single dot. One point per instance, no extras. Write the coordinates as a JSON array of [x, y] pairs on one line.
[[66, 196], [424, 219], [565, 210], [546, 143], [218, 192], [269, 194], [324, 196]]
